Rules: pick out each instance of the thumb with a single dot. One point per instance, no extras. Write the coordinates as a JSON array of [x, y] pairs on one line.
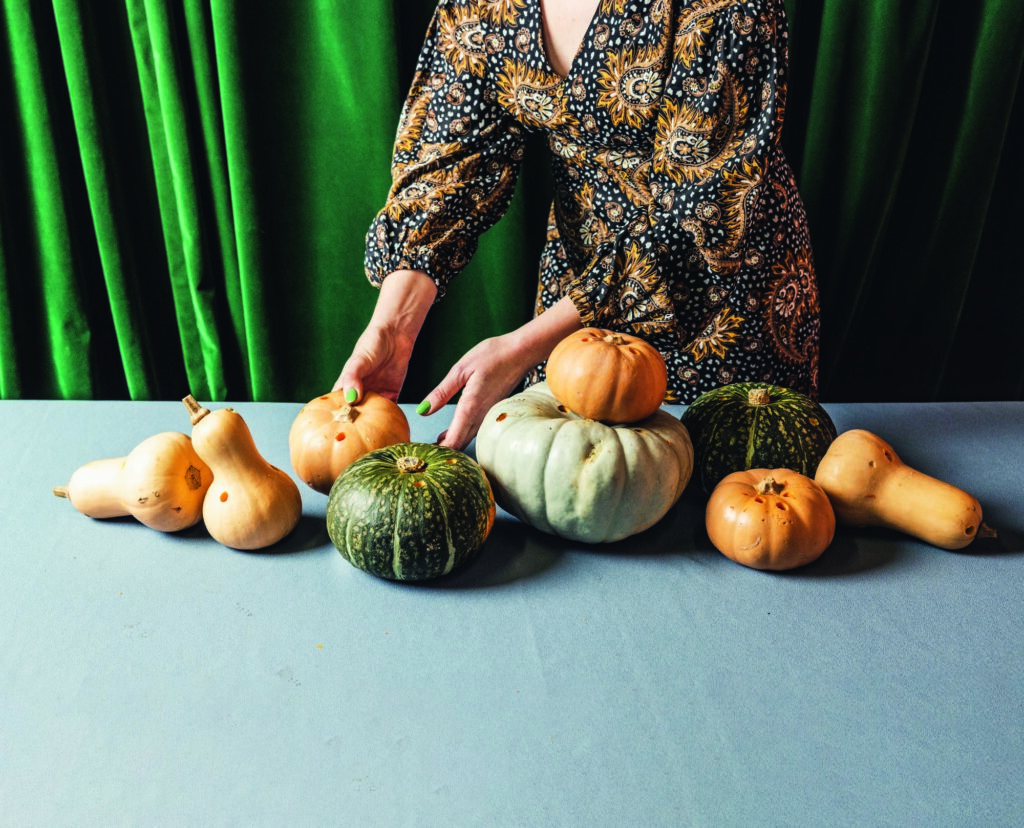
[[351, 378]]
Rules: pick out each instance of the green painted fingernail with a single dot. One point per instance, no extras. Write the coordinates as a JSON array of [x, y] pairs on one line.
[[350, 395], [423, 407]]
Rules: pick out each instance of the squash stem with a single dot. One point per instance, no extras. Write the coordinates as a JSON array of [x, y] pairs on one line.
[[986, 531], [195, 410], [60, 491], [410, 465], [770, 485], [759, 396]]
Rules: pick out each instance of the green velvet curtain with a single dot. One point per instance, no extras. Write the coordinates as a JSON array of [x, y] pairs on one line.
[[185, 188]]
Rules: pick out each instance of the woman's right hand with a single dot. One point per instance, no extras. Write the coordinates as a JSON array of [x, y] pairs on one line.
[[379, 362], [380, 357]]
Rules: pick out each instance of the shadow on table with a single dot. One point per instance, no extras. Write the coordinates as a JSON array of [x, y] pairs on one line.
[[516, 551], [309, 535], [513, 552], [855, 551]]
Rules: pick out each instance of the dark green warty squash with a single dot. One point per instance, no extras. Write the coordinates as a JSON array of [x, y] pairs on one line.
[[410, 511], [756, 425]]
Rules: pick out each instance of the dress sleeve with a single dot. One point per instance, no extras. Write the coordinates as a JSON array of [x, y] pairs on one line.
[[456, 158], [695, 200]]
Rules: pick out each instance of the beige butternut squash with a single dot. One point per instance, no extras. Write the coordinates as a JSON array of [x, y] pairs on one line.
[[251, 504], [162, 483], [868, 485]]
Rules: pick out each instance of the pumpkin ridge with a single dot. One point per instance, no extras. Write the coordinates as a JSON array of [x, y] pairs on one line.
[[754, 433], [440, 493], [396, 536]]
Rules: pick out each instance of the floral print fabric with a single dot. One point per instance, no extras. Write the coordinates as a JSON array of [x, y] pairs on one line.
[[675, 214]]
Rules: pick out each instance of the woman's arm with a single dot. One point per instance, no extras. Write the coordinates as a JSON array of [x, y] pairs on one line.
[[380, 358]]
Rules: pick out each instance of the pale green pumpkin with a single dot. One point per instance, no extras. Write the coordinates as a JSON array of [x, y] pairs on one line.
[[576, 477]]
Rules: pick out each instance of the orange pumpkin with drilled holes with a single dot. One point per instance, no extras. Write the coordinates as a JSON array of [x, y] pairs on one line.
[[329, 433], [770, 518], [607, 376]]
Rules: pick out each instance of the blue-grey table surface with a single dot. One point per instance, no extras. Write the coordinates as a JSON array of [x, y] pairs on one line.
[[151, 679]]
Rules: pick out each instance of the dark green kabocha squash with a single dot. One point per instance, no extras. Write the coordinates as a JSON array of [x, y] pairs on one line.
[[756, 425], [410, 511]]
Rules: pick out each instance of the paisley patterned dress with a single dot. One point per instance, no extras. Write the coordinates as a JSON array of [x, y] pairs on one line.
[[675, 214]]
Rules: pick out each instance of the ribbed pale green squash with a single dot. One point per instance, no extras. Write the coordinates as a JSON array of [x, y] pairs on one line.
[[579, 478]]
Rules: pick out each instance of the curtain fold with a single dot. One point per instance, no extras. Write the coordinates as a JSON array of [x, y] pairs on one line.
[[48, 300], [185, 190], [908, 133]]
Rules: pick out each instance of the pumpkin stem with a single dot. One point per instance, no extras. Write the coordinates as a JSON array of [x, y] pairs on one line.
[[347, 414], [195, 410], [60, 491], [410, 465], [770, 485], [759, 396], [614, 339]]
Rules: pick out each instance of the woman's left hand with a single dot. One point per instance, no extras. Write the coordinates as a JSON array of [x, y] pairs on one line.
[[491, 369], [486, 374]]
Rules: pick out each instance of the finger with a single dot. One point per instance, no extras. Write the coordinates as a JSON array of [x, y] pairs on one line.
[[442, 394], [463, 427]]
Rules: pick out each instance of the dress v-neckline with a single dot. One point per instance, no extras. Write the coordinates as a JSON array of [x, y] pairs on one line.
[[543, 44]]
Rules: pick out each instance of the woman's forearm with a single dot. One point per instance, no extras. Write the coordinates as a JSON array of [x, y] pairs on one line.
[[403, 302], [536, 339]]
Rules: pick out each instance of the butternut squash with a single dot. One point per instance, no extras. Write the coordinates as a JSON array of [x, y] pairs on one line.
[[162, 483], [251, 504], [868, 485]]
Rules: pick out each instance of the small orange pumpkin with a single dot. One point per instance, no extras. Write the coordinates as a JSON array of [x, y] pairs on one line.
[[607, 376], [329, 433], [770, 518]]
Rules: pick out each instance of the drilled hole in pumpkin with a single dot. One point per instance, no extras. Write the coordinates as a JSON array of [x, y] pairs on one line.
[[419, 484], [780, 505], [758, 500], [223, 496], [501, 417], [561, 408], [451, 461], [969, 530], [324, 397], [339, 436]]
